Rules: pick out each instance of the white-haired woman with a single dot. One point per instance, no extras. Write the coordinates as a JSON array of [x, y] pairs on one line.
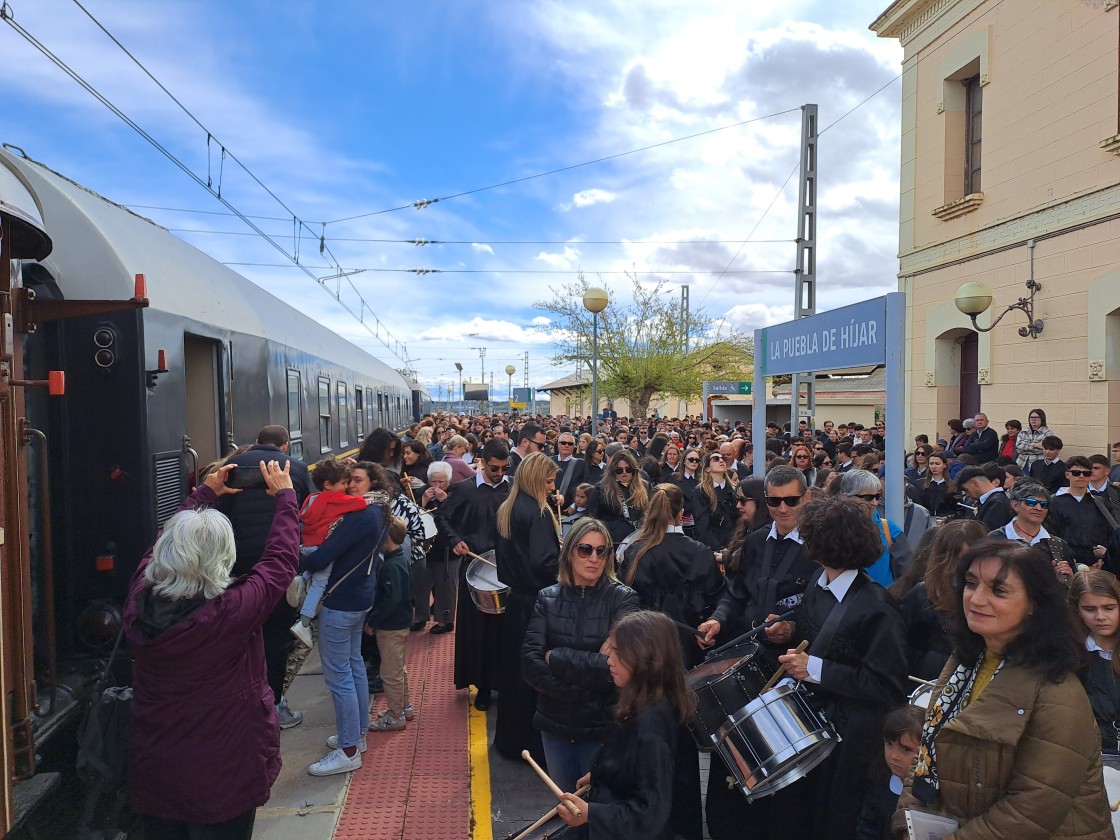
[[205, 746]]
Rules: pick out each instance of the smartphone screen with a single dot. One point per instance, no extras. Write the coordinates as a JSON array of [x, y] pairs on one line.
[[241, 477]]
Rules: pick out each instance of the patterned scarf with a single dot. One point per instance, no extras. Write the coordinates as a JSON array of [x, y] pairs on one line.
[[952, 700]]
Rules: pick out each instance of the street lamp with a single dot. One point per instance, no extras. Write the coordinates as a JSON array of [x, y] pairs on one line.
[[459, 368], [595, 301], [510, 371], [974, 298]]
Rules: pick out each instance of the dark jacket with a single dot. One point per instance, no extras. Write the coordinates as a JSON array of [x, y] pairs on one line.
[[1082, 525], [530, 558], [928, 646], [1051, 476], [714, 527], [878, 808], [392, 601], [938, 500], [632, 777], [354, 542], [1103, 688], [767, 579], [204, 746], [1022, 761], [621, 524], [678, 577], [983, 445], [574, 687], [251, 511], [579, 476], [995, 512], [470, 514]]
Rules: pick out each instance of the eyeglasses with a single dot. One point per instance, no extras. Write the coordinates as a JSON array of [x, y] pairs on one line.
[[496, 467], [1080, 473], [585, 550], [1037, 503], [623, 471], [826, 463], [869, 497], [692, 460], [802, 455], [567, 443], [741, 500], [818, 449], [790, 501], [715, 458]]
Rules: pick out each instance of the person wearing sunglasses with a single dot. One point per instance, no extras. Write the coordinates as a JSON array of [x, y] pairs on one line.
[[560, 657], [1031, 503], [469, 519], [1083, 519], [573, 469], [715, 503], [528, 557], [593, 458], [621, 498], [866, 489], [993, 510]]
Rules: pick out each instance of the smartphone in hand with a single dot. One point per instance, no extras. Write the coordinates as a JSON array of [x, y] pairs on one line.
[[241, 477]]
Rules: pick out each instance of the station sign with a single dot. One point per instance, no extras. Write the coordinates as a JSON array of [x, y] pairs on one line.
[[852, 336], [742, 389]]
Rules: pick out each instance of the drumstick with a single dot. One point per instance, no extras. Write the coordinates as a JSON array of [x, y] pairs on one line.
[[483, 559], [1115, 806], [552, 786], [912, 678], [692, 630], [777, 674], [526, 831]]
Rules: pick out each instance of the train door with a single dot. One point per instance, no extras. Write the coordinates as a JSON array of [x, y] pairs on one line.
[[380, 410], [202, 364]]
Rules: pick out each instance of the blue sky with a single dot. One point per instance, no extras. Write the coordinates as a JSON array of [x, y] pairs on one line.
[[347, 108]]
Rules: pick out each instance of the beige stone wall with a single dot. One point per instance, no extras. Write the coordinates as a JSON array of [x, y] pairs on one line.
[[1049, 98], [571, 405]]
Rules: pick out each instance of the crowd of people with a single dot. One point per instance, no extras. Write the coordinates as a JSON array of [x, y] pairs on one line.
[[628, 553]]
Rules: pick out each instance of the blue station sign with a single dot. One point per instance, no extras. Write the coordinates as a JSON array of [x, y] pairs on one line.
[[852, 336]]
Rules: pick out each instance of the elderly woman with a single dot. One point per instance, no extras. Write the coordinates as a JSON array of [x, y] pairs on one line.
[[454, 451], [442, 565], [855, 663], [560, 656], [1010, 747], [205, 748], [866, 488]]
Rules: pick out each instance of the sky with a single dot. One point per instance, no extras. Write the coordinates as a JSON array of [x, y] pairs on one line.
[[344, 110]]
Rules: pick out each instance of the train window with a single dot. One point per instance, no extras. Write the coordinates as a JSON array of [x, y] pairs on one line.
[[343, 416], [295, 414], [369, 410], [359, 414], [324, 414]]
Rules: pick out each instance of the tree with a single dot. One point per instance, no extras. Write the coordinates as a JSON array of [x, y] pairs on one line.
[[642, 345]]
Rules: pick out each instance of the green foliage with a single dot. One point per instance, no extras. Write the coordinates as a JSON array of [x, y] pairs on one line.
[[642, 345]]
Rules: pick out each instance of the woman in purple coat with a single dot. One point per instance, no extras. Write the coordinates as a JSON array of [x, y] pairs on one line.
[[205, 746]]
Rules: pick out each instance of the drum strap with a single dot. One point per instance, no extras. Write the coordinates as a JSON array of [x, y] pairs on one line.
[[820, 644], [568, 470]]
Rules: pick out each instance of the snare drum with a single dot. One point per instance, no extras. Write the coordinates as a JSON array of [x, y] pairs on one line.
[[430, 529], [767, 740], [489, 594], [922, 697]]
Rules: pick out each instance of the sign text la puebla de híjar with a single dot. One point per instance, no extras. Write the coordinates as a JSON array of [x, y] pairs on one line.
[[851, 336]]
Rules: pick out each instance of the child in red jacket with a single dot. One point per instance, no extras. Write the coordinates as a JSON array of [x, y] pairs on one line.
[[319, 514]]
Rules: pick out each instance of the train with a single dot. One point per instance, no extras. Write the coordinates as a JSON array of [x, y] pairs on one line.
[[130, 361]]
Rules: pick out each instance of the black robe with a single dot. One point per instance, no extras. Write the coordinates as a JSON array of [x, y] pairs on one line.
[[863, 677], [606, 510], [995, 511], [470, 515], [938, 500], [528, 561], [1082, 526], [714, 527]]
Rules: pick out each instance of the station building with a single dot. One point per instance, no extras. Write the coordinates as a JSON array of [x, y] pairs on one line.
[[1009, 172]]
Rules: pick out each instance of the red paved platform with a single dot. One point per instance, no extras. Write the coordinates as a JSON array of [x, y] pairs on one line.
[[416, 783]]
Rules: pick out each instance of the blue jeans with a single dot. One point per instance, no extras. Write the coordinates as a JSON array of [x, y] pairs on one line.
[[567, 760], [344, 671]]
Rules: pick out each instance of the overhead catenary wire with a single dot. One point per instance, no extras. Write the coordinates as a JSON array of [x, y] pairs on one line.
[[424, 271], [420, 242]]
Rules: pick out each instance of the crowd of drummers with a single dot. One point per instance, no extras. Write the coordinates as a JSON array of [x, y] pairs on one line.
[[627, 594]]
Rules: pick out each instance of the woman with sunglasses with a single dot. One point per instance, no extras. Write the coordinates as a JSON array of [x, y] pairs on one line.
[[593, 458], [560, 657], [801, 457], [621, 498], [715, 506], [528, 556], [866, 488]]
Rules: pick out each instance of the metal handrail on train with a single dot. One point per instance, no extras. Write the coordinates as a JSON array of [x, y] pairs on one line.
[[28, 433]]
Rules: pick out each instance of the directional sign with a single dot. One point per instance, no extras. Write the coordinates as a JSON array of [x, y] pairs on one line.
[[729, 388], [521, 397]]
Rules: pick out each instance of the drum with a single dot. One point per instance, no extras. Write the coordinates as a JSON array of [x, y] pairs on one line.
[[489, 594], [767, 740], [568, 521], [922, 697], [430, 529]]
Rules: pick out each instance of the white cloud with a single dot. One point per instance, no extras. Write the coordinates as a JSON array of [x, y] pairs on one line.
[[487, 329], [587, 198], [569, 258], [541, 321], [482, 248]]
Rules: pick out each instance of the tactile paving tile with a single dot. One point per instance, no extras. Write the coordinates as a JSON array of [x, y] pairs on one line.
[[415, 783]]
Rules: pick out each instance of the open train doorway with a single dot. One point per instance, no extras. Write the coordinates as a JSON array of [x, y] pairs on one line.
[[202, 364]]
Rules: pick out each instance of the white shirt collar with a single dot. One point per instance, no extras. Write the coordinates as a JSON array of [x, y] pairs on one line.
[[1010, 532], [1064, 491], [1093, 647], [1102, 488], [718, 486], [984, 498], [675, 529], [840, 586], [792, 535], [480, 479], [937, 481]]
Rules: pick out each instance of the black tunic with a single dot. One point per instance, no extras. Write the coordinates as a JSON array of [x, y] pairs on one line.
[[620, 523], [632, 776], [714, 527], [995, 511], [470, 515], [863, 677], [528, 561], [1082, 526], [938, 500], [928, 646]]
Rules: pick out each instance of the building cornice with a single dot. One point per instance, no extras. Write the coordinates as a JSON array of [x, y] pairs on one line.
[[906, 18]]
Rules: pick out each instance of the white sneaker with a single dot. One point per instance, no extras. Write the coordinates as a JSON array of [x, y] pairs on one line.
[[302, 632], [332, 742], [336, 762], [409, 712]]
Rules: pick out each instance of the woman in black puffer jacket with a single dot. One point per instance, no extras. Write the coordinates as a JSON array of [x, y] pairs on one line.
[[561, 655]]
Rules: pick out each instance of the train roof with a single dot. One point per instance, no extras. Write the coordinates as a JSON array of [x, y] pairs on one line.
[[100, 246]]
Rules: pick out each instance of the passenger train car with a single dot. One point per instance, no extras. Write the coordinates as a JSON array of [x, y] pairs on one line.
[[170, 360]]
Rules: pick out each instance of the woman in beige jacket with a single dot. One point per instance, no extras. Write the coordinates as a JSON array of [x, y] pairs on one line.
[[1010, 748]]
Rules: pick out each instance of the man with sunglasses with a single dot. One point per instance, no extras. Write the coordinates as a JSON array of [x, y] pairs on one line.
[[530, 439], [993, 510], [469, 518], [1031, 502], [1084, 520], [573, 470]]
